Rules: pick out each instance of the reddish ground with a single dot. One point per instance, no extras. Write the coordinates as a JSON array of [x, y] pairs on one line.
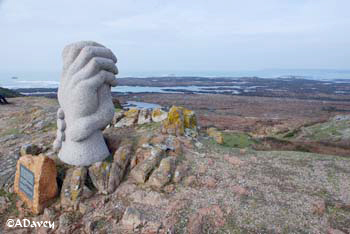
[[249, 114]]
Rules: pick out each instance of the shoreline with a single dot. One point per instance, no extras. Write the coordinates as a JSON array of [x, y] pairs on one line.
[[337, 90]]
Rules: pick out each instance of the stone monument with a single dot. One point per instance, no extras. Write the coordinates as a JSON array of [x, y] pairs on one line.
[[86, 106]]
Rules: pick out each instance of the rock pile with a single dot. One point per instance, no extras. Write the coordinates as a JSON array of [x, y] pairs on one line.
[[149, 157], [158, 115], [138, 116], [129, 118], [152, 158], [178, 121], [107, 175], [155, 162]]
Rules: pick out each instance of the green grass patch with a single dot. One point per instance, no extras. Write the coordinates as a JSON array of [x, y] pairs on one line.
[[237, 140], [10, 131], [326, 131], [331, 130], [150, 126]]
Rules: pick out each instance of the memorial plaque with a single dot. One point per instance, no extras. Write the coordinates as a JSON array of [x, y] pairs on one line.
[[26, 181]]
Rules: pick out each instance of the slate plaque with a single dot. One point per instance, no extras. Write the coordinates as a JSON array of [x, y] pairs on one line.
[[26, 181]]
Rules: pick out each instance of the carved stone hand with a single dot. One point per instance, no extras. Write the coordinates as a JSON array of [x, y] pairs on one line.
[[86, 104]]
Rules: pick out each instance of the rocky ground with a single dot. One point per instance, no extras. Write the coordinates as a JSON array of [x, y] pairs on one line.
[[213, 188], [274, 123], [25, 121]]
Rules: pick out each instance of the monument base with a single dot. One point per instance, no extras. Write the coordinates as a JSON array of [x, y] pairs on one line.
[[84, 153]]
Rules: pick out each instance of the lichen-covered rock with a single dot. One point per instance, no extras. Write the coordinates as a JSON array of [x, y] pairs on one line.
[[107, 175], [219, 138], [87, 192], [125, 122], [130, 118], [72, 188], [144, 139], [180, 172], [191, 132], [158, 139], [179, 119], [163, 174], [31, 149], [144, 116], [142, 171], [99, 173], [190, 119], [174, 147], [158, 115], [214, 133], [140, 155], [132, 113], [118, 115], [121, 160], [174, 124]]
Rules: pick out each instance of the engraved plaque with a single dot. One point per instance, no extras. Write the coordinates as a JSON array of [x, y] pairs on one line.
[[26, 181]]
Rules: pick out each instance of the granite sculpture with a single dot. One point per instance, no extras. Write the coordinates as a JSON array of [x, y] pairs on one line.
[[86, 106]]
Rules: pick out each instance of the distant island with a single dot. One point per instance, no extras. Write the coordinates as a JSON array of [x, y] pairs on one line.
[[9, 93]]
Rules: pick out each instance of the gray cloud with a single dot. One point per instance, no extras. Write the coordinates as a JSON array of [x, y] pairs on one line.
[[180, 35]]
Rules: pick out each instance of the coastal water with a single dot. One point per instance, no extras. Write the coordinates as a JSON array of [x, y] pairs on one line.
[[16, 80], [192, 88], [147, 89], [141, 105]]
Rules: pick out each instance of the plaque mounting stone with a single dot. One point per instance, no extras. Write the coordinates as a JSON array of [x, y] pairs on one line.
[[35, 181]]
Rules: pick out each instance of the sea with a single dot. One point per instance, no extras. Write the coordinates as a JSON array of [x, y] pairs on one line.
[[15, 80]]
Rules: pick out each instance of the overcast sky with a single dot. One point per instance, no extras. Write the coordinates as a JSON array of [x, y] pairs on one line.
[[178, 35]]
